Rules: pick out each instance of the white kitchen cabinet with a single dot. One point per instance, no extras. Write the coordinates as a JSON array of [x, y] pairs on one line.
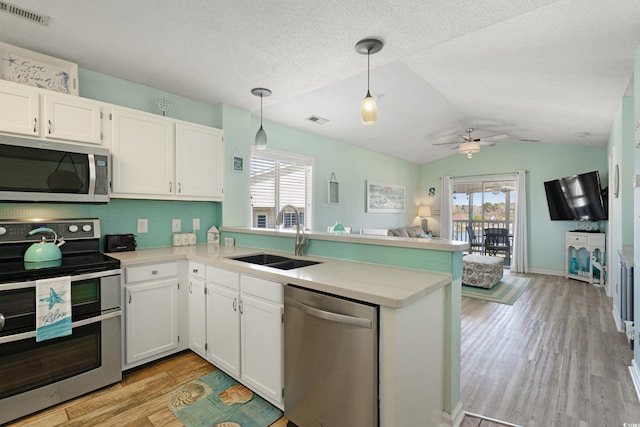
[[73, 119], [155, 157], [197, 308], [142, 155], [245, 330], [64, 117], [151, 311], [199, 167], [223, 320], [19, 109]]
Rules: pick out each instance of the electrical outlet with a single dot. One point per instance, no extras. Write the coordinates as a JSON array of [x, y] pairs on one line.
[[176, 225], [196, 224], [143, 225]]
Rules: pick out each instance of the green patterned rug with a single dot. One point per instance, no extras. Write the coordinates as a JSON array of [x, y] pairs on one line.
[[217, 400], [506, 291]]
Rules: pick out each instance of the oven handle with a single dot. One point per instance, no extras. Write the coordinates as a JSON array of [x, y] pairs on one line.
[[74, 278], [79, 323]]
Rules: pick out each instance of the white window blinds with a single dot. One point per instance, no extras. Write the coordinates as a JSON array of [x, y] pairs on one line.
[[279, 179]]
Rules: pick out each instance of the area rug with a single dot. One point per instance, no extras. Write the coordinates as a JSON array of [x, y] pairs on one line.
[[217, 400], [506, 291]]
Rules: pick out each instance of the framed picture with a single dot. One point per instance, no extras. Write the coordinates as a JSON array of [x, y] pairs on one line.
[[237, 164], [35, 69], [386, 198]]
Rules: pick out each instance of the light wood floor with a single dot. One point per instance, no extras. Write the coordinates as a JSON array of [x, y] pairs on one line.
[[554, 358]]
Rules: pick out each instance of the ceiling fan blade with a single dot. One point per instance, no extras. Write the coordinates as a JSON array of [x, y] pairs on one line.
[[494, 137], [446, 143]]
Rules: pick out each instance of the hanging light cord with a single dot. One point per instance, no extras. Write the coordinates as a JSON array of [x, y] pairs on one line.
[[368, 71], [260, 109]]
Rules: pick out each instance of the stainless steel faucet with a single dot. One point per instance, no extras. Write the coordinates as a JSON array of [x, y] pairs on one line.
[[300, 239]]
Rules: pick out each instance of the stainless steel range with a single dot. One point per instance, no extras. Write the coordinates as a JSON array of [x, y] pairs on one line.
[[35, 375]]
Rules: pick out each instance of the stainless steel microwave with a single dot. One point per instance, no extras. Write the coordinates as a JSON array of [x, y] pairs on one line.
[[40, 171]]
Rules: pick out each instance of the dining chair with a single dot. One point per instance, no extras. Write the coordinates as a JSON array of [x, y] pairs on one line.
[[475, 244], [497, 241]]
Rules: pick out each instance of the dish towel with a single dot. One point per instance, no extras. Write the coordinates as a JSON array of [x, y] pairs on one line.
[[53, 308]]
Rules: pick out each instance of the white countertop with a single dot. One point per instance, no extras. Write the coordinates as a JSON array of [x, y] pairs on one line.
[[378, 284], [434, 243]]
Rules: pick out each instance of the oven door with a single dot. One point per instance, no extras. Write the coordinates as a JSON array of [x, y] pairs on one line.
[[36, 375]]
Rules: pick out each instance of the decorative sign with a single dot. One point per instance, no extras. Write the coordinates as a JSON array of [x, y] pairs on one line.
[[334, 190], [238, 164], [34, 69]]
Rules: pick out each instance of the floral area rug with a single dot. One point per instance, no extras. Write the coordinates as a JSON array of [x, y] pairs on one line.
[[217, 400]]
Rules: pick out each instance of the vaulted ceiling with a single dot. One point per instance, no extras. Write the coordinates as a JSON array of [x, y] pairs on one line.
[[541, 70]]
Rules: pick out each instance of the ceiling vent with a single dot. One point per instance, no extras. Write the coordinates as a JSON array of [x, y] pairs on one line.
[[317, 120], [23, 13]]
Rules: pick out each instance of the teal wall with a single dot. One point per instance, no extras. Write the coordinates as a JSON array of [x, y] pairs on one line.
[[120, 216], [542, 162], [352, 165], [636, 221]]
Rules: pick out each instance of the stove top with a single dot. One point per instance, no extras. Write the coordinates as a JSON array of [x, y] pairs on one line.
[[80, 252]]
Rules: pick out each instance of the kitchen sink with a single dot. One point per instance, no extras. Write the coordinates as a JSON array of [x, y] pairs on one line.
[[275, 261]]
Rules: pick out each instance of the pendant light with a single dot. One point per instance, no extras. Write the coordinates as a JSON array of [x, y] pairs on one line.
[[261, 135], [369, 109]]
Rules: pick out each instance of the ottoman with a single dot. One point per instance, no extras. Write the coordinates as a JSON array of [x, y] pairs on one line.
[[481, 271]]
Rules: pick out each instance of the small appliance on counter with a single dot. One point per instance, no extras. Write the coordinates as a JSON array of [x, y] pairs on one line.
[[119, 242]]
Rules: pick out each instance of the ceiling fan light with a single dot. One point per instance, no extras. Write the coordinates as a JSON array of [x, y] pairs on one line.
[[261, 139], [369, 110], [469, 148]]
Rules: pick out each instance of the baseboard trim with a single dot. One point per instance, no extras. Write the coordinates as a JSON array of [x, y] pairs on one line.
[[635, 377], [455, 419], [549, 272], [616, 319]]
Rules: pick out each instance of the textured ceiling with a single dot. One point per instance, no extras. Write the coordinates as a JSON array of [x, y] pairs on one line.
[[537, 69]]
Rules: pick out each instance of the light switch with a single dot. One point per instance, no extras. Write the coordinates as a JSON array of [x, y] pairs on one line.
[[176, 225], [143, 225]]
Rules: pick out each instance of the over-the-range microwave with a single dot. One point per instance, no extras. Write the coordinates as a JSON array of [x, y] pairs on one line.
[[42, 171]]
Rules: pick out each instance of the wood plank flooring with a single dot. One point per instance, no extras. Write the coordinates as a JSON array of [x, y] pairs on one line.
[[554, 358]]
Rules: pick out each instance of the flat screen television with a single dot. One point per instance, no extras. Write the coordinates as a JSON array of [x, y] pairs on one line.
[[576, 198]]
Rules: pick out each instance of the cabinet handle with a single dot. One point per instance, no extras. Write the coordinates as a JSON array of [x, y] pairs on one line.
[[179, 187], [49, 127], [35, 124], [240, 307], [129, 297], [235, 302], [154, 272], [195, 271], [1, 321], [190, 289], [170, 187]]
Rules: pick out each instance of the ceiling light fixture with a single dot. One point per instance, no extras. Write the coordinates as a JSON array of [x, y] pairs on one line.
[[261, 135], [369, 109], [469, 148]]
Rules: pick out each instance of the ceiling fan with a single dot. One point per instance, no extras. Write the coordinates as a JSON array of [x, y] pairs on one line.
[[470, 145]]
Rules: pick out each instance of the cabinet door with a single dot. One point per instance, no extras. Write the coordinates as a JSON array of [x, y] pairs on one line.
[[19, 110], [72, 119], [262, 346], [223, 328], [142, 154], [151, 319], [199, 162], [197, 316]]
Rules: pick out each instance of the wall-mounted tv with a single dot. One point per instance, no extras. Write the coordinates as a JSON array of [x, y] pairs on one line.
[[576, 198]]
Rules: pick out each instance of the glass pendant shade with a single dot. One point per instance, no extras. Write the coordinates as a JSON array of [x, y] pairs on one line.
[[369, 110], [261, 139]]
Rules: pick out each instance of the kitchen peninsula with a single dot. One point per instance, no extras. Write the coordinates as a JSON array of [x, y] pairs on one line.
[[419, 310]]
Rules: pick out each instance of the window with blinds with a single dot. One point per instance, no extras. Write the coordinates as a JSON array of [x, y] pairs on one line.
[[279, 179]]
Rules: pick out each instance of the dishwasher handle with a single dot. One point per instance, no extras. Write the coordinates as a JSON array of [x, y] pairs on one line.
[[328, 315]]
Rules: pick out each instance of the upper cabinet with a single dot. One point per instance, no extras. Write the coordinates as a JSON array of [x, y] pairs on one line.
[[45, 115], [156, 157]]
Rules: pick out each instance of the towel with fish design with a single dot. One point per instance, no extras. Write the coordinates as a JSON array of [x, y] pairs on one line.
[[53, 308]]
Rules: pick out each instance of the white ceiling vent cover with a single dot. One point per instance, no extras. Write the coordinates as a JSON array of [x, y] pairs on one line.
[[23, 13], [317, 120]]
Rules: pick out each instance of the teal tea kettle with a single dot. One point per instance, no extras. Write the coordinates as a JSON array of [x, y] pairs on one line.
[[44, 251]]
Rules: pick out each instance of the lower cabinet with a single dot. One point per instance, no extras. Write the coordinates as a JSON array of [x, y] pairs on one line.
[[245, 331], [151, 312], [197, 308]]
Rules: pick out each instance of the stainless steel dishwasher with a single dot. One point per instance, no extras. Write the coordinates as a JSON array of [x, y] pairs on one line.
[[331, 360]]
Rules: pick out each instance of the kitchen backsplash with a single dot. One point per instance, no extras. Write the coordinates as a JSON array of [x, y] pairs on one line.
[[121, 216]]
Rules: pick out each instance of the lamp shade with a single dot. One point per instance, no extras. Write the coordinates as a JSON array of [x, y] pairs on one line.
[[261, 139], [424, 211], [369, 110], [469, 148]]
